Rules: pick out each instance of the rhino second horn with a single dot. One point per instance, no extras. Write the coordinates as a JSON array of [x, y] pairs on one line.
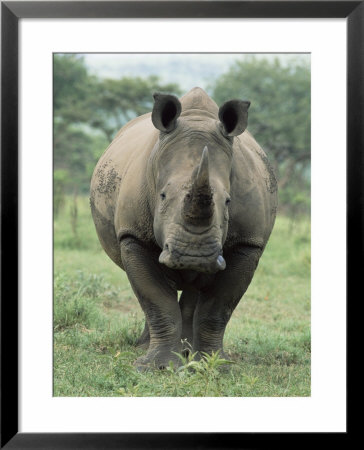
[[198, 204]]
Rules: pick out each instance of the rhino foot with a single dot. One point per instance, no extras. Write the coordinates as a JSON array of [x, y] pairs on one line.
[[156, 359]]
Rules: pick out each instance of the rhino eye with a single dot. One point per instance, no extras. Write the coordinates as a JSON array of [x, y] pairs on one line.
[[163, 196], [227, 201]]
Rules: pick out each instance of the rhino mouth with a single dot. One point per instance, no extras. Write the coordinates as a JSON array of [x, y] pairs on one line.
[[203, 257]]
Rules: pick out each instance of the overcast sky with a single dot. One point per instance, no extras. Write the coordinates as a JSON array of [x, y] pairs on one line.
[[188, 70]]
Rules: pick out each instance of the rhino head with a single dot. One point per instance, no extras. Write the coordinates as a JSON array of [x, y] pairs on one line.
[[191, 168]]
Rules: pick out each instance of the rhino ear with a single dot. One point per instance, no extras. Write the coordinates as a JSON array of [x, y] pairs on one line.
[[233, 116], [166, 111]]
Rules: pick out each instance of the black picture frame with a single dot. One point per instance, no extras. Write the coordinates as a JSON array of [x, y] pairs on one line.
[[11, 12]]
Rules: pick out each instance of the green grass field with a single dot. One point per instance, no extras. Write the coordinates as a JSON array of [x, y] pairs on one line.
[[97, 320]]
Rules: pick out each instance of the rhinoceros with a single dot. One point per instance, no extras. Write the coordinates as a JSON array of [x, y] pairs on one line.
[[184, 199]]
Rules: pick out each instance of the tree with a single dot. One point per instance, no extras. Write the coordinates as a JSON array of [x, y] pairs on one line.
[[72, 88], [279, 115], [118, 101], [89, 111]]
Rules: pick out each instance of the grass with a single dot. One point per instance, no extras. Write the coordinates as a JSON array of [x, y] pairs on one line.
[[97, 321]]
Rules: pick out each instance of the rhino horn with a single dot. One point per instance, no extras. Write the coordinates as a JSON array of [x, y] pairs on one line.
[[202, 179]]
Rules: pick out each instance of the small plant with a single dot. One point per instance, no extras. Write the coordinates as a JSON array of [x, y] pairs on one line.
[[204, 373], [250, 380], [209, 372]]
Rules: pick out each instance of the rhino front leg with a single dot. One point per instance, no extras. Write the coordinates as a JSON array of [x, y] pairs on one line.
[[218, 301], [158, 300]]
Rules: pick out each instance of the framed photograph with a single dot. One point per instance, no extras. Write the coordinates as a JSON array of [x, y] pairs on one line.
[[73, 74]]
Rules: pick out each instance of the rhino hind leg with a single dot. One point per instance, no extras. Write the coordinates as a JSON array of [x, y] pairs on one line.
[[187, 303], [158, 300], [144, 340], [217, 303]]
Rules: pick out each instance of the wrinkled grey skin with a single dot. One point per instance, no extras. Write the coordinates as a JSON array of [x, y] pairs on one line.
[[185, 199]]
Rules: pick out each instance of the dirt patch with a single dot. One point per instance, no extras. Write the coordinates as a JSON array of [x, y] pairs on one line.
[[126, 306]]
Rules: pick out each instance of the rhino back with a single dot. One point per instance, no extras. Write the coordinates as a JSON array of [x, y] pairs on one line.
[[253, 193], [118, 186]]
